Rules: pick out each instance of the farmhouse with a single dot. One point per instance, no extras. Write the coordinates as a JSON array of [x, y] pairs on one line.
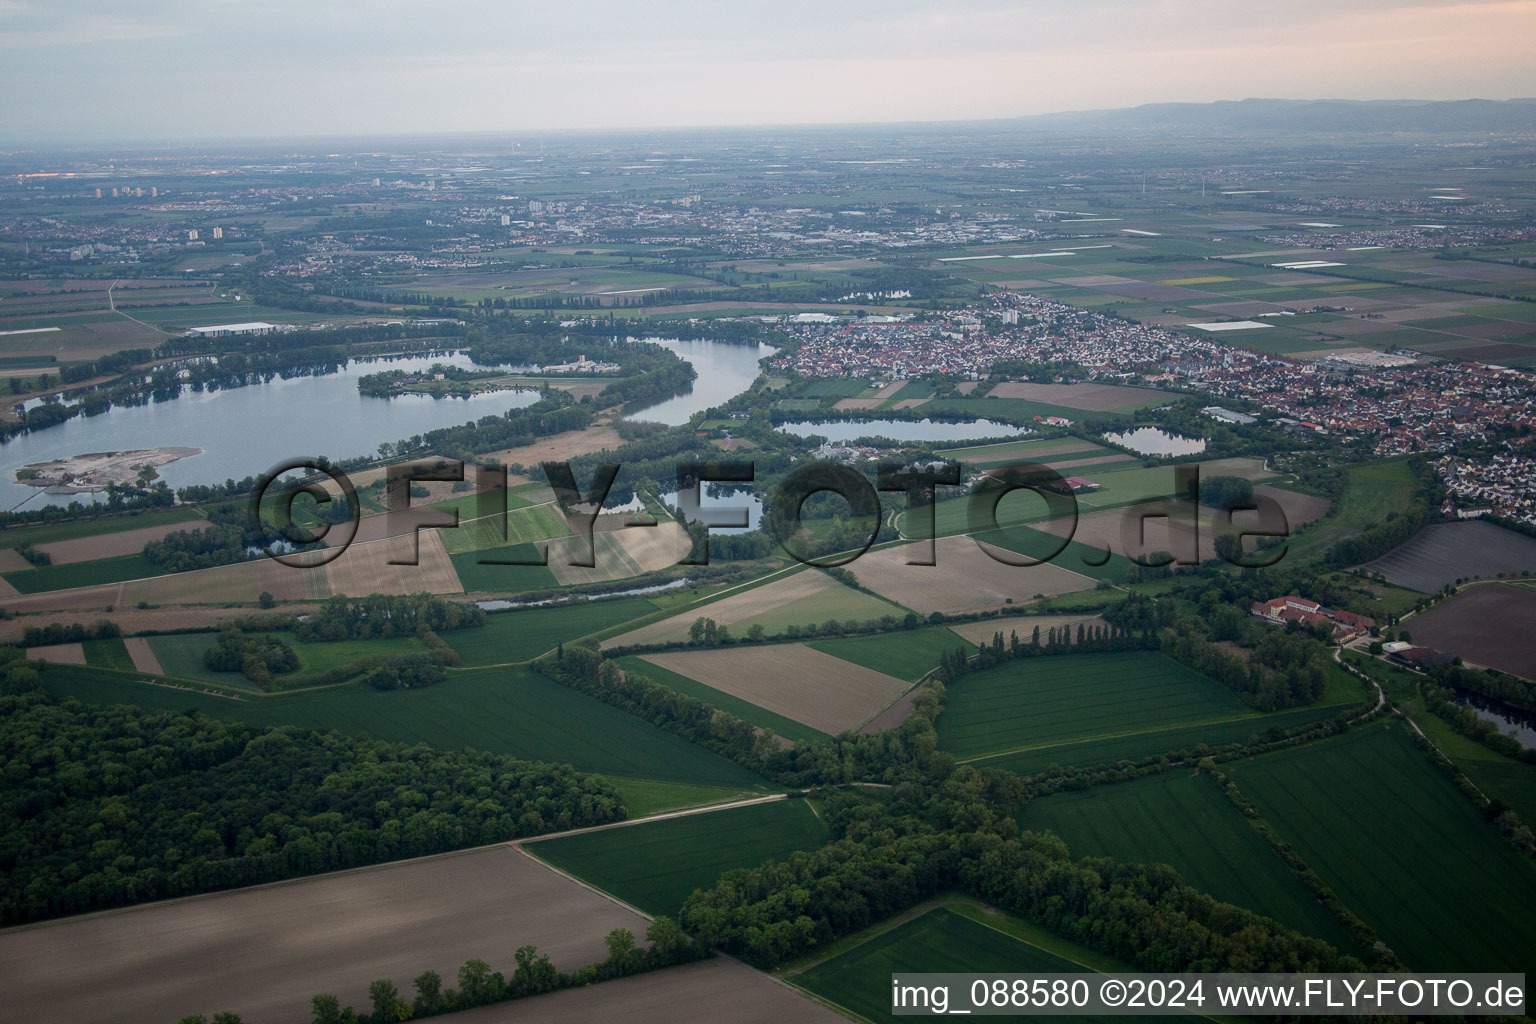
[[1422, 657], [1081, 485], [1284, 610], [229, 330]]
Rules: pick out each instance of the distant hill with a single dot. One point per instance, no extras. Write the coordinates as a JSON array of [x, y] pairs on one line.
[[1307, 116]]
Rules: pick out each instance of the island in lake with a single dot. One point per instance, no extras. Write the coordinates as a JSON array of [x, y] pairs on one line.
[[95, 471]]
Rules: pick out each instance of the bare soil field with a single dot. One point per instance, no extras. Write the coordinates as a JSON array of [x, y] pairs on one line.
[[1300, 509], [966, 578], [982, 632], [58, 654], [1247, 468], [559, 447], [856, 403], [1444, 553], [1088, 397], [792, 680], [798, 599], [1488, 625], [1093, 460], [12, 561], [722, 991], [143, 655], [621, 553], [1019, 451], [263, 952], [364, 569], [7, 591], [110, 545], [1103, 530]]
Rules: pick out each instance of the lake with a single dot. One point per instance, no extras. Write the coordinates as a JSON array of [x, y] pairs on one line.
[[725, 371], [1511, 721], [1156, 441], [249, 429], [904, 430]]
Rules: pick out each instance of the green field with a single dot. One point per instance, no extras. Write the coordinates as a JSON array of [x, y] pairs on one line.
[[525, 633], [521, 525], [1402, 847], [906, 655], [745, 710], [83, 574], [181, 654], [941, 940], [1139, 745], [643, 797], [1371, 491], [51, 532], [1030, 702], [656, 866], [1183, 820], [505, 711], [108, 653], [478, 573]]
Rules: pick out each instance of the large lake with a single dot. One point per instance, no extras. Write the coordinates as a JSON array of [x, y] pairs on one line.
[[904, 430], [724, 370], [249, 429]]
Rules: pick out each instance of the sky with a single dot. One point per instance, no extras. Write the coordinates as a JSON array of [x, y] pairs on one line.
[[181, 70]]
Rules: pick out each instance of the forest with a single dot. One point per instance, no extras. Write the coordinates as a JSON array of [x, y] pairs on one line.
[[108, 806]]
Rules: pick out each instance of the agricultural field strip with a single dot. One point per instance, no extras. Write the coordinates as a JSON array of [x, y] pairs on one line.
[[339, 930], [1252, 716]]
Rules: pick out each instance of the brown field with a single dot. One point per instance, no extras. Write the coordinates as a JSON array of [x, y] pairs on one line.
[[1299, 508], [143, 655], [8, 591], [1488, 625], [263, 952], [364, 569], [981, 632], [1088, 397], [110, 545], [1103, 530], [1020, 451], [797, 599], [559, 447], [1445, 552], [792, 680], [621, 553], [1247, 468], [856, 403], [11, 561], [1092, 460], [722, 991], [893, 716], [966, 578], [58, 654]]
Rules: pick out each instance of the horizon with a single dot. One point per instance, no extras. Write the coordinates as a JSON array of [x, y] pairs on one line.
[[169, 143], [340, 73]]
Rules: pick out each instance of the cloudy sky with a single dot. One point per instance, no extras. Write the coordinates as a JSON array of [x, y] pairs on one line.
[[185, 69]]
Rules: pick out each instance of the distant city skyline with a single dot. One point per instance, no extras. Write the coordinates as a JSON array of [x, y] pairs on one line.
[[179, 70]]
